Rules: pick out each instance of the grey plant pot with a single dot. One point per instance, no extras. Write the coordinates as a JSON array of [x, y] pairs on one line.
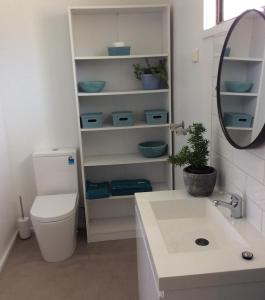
[[199, 185]]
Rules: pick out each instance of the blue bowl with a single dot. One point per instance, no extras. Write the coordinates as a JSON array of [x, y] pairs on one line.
[[238, 86], [95, 86], [152, 148]]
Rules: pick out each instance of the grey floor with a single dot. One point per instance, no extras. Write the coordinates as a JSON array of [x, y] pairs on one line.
[[98, 271]]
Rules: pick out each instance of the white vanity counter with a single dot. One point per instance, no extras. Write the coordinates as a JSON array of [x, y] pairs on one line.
[[169, 222]]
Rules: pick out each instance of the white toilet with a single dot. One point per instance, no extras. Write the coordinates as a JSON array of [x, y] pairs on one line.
[[54, 211]]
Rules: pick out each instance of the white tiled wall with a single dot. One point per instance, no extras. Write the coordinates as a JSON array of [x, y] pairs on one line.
[[241, 171]]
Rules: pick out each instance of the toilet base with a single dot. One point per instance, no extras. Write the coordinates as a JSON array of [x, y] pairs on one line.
[[57, 240]]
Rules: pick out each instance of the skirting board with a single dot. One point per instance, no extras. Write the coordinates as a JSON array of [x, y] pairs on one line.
[[4, 258]]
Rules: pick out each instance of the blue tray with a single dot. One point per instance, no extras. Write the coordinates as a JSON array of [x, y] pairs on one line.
[[129, 187]]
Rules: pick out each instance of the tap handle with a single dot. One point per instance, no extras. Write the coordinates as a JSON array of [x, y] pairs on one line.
[[235, 199]]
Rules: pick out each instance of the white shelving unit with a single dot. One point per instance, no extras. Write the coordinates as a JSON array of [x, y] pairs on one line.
[[120, 93], [110, 153], [243, 59], [239, 128], [239, 94], [138, 125], [122, 57]]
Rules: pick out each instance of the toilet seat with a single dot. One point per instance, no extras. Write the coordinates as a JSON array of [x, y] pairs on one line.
[[53, 208]]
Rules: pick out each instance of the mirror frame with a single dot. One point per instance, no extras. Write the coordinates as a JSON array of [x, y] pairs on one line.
[[261, 136]]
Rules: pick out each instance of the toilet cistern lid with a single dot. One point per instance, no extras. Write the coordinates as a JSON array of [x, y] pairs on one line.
[[52, 208]]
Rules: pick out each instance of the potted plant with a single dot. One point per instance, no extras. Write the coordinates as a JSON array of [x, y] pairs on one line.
[[152, 77], [199, 178]]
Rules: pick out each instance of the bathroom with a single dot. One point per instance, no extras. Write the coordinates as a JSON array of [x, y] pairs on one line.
[[38, 113]]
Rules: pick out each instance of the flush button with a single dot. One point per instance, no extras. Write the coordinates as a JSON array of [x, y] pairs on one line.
[[247, 255]]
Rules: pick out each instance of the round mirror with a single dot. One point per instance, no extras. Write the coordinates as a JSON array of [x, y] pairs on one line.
[[241, 81]]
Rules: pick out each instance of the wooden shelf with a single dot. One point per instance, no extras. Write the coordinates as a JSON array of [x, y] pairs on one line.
[[111, 229], [117, 93], [139, 125], [239, 128], [160, 186], [120, 159], [242, 59], [239, 94], [133, 56]]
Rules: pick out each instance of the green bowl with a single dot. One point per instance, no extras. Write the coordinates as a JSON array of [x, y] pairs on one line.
[[238, 86], [94, 86], [152, 148]]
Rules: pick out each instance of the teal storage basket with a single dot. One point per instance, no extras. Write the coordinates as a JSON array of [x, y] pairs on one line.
[[117, 51], [155, 116], [122, 118], [91, 120], [233, 119]]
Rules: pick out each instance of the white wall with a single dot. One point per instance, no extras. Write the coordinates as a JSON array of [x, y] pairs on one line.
[[191, 103], [37, 81], [7, 199]]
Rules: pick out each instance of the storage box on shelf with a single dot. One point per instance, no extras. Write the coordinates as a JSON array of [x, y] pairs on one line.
[[156, 116], [91, 120], [109, 152], [123, 118]]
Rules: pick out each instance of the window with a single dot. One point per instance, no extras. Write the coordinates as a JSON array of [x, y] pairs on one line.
[[217, 11]]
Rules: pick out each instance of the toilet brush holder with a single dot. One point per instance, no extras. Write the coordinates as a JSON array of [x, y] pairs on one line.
[[24, 228], [23, 223]]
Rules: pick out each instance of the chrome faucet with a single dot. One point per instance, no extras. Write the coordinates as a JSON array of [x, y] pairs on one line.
[[235, 205]]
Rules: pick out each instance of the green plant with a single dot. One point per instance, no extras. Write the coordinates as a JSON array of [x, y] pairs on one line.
[[160, 69], [196, 154]]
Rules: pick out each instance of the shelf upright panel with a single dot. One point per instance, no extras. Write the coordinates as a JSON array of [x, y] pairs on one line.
[[78, 116]]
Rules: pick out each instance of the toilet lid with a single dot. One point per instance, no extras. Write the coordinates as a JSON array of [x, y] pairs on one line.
[[51, 208]]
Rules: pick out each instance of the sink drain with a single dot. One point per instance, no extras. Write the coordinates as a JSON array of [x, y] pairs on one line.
[[202, 242]]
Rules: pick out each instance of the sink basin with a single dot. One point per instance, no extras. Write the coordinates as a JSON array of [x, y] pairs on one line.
[[194, 225], [168, 224]]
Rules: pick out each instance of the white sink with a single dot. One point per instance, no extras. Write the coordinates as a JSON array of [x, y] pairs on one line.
[[183, 222], [169, 223]]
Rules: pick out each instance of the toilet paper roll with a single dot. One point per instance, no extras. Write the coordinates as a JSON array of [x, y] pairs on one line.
[[24, 228]]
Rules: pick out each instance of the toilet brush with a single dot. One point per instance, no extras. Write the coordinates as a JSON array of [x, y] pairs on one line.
[[23, 223]]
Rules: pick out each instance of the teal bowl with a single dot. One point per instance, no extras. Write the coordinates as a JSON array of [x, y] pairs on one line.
[[152, 148], [95, 86], [238, 86]]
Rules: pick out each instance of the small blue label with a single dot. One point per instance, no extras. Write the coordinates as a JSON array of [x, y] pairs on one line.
[[71, 160]]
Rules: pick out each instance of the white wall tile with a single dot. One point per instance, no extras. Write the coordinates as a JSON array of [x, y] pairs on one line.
[[234, 177], [260, 151], [263, 223], [254, 214], [255, 191], [251, 164]]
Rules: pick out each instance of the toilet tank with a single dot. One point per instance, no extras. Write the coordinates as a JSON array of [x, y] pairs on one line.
[[55, 171]]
